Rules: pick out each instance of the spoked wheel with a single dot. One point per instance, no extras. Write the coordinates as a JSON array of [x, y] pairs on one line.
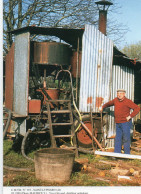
[[84, 139]]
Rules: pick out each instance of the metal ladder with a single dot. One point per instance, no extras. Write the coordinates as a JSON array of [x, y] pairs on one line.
[[67, 111]]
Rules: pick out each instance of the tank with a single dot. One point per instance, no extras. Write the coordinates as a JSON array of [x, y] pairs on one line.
[[51, 53], [54, 164]]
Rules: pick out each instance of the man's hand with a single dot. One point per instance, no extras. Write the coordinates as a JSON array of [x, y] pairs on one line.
[[128, 118]]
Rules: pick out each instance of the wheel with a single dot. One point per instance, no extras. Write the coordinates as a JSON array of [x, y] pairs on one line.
[[83, 138]]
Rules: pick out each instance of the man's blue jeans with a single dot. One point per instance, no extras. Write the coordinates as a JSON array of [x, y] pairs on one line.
[[123, 137]]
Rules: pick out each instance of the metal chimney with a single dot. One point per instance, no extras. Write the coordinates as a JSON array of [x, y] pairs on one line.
[[103, 8]]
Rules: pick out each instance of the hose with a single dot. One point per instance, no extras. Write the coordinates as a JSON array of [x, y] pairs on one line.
[[85, 151], [74, 104], [4, 133], [16, 169], [23, 146]]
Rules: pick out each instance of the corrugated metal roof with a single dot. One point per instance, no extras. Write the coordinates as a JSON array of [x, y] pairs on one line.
[[69, 35], [96, 68]]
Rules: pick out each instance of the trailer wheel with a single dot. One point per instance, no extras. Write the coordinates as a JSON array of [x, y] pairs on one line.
[[83, 138]]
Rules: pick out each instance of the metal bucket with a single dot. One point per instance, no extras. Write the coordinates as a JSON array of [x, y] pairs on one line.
[[53, 93], [54, 164]]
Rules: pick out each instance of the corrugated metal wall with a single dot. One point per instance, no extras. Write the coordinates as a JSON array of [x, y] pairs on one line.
[[21, 75], [122, 77], [96, 66], [99, 78]]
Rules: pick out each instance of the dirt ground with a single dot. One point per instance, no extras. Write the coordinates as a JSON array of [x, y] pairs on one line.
[[102, 171]]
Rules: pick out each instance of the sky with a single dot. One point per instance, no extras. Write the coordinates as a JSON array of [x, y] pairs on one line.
[[131, 17]]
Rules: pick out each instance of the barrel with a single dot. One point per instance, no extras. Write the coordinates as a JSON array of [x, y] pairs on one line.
[[54, 164]]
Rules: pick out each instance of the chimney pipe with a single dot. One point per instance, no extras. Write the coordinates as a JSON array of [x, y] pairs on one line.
[[102, 21], [103, 8]]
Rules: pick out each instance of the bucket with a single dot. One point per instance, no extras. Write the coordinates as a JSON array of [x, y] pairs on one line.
[[53, 93], [54, 164]]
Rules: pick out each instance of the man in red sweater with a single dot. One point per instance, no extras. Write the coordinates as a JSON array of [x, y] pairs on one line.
[[123, 118]]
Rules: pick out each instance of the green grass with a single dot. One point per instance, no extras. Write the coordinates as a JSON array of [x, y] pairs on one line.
[[84, 180], [78, 177], [13, 159], [135, 162]]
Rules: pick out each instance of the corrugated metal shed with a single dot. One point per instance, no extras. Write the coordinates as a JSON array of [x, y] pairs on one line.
[[96, 68]]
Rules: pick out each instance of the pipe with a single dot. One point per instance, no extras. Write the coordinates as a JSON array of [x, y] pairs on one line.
[[16, 169], [8, 121], [102, 21], [102, 129], [77, 68], [118, 155]]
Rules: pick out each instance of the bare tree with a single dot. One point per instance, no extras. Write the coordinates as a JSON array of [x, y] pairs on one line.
[[50, 13]]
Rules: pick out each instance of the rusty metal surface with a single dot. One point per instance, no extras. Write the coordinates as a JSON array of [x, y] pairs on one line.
[[83, 136], [73, 62], [102, 21], [52, 53], [9, 78], [34, 106], [21, 73], [96, 68], [49, 94]]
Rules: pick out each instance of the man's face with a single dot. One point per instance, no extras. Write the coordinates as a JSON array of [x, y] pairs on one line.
[[120, 95]]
